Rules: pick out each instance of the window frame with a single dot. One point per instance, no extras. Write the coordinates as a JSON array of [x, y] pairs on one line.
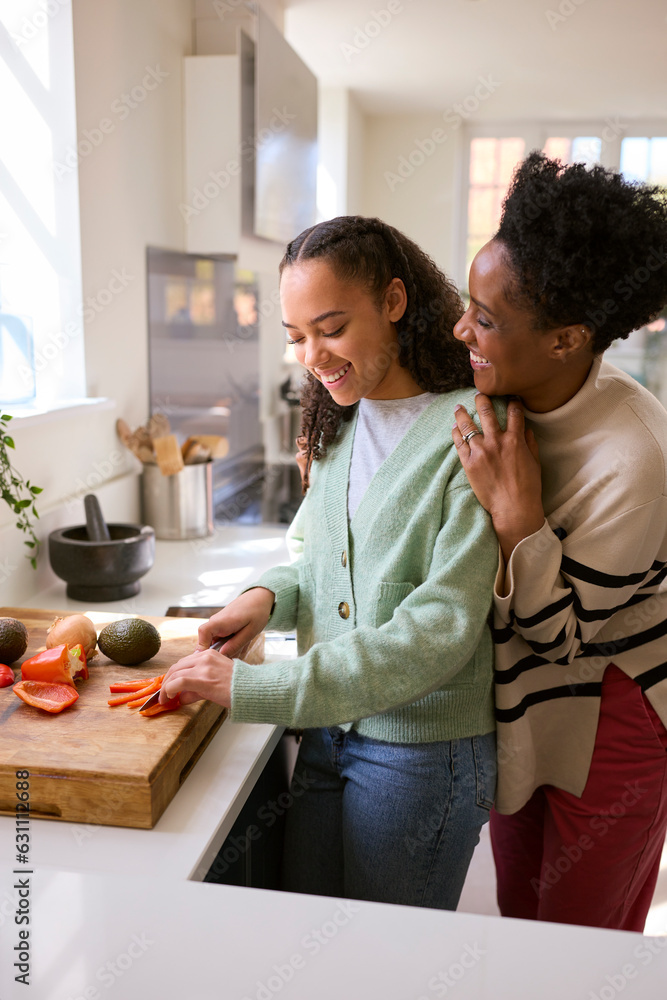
[[535, 134]]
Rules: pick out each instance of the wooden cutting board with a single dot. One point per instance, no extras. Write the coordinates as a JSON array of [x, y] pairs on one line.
[[95, 764]]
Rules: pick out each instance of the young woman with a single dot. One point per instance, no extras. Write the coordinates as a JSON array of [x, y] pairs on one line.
[[390, 589], [579, 260]]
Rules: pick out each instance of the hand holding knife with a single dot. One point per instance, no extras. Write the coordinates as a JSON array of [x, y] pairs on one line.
[[155, 698]]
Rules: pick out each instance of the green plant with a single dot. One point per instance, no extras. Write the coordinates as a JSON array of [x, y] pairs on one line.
[[17, 492]]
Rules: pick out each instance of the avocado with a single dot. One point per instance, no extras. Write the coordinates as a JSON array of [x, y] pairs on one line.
[[129, 641], [13, 639]]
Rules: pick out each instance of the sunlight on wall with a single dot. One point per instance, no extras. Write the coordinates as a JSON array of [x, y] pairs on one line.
[[41, 334]]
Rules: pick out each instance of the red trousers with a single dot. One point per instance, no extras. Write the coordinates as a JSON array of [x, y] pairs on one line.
[[593, 860]]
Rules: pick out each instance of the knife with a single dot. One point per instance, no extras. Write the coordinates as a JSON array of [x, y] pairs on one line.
[[154, 698]]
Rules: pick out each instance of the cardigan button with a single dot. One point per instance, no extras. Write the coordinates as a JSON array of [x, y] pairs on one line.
[[343, 558], [344, 609]]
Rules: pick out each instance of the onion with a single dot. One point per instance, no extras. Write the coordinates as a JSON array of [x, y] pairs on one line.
[[72, 630]]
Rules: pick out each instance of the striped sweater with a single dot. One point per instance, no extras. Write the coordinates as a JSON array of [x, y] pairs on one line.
[[586, 590]]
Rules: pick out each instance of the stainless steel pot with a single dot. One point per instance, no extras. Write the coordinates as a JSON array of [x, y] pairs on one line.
[[178, 506]]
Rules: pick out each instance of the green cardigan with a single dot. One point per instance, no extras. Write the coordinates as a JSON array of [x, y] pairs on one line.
[[391, 608]]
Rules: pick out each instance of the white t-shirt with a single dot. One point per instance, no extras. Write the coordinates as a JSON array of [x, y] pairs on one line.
[[381, 425]]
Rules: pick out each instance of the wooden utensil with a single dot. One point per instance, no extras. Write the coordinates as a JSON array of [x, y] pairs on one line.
[[158, 425], [194, 452], [216, 444], [123, 431], [168, 454], [139, 442]]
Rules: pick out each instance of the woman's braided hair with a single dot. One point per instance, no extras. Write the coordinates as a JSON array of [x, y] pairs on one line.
[[371, 253]]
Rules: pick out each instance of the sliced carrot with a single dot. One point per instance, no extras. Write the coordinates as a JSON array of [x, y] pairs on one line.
[[133, 685], [143, 697], [168, 706], [123, 699]]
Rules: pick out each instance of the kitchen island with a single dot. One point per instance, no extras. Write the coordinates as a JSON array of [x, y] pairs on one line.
[[138, 938], [125, 910], [189, 834]]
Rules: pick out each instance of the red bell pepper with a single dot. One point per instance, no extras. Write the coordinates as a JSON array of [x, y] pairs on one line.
[[6, 675], [168, 706], [60, 665], [42, 694]]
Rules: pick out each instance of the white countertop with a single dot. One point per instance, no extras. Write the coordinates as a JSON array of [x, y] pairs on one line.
[[204, 571], [189, 833], [135, 938], [115, 908]]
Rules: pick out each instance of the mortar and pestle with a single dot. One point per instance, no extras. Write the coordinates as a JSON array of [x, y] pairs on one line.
[[100, 561]]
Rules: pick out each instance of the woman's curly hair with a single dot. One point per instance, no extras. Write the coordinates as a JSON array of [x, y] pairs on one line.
[[584, 246], [371, 253]]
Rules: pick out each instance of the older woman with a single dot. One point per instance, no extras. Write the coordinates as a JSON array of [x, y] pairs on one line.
[[577, 490]]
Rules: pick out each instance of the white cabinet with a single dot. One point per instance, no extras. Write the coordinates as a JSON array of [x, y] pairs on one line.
[[214, 154]]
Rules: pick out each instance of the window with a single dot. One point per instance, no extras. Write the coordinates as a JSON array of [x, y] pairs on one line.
[[640, 153], [644, 353], [644, 159], [41, 331], [492, 162], [580, 149]]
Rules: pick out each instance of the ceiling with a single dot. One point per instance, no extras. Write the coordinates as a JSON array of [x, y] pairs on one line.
[[559, 59]]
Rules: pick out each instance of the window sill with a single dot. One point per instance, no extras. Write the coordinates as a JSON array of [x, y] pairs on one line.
[[29, 416]]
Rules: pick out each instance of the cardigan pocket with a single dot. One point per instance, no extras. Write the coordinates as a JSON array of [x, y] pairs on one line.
[[390, 595], [305, 618]]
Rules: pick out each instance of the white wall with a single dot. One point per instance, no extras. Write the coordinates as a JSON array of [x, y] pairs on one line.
[[131, 185], [340, 136], [130, 190], [411, 181], [356, 153]]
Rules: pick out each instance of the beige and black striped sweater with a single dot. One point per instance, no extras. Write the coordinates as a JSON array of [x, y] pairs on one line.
[[588, 589]]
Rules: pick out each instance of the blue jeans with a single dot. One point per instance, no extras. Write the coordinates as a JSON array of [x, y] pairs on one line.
[[390, 822]]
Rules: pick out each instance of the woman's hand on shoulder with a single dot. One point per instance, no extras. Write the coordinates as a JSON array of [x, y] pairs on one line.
[[503, 469]]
